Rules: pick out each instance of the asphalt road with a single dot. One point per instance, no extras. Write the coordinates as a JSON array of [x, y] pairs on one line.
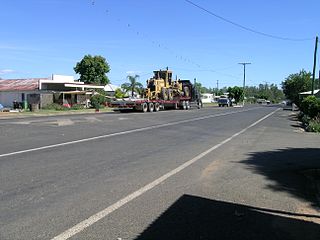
[[168, 175]]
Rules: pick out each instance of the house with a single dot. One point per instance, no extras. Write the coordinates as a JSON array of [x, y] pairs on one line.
[[316, 93], [44, 91], [18, 90]]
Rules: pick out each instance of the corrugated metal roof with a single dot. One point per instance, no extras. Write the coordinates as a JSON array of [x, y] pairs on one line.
[[20, 84]]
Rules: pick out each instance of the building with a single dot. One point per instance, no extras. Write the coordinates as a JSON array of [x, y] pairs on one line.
[[316, 93], [59, 89], [207, 98]]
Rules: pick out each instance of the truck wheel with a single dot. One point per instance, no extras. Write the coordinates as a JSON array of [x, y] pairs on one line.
[[150, 107], [156, 107], [187, 105], [183, 105], [199, 105], [144, 107]]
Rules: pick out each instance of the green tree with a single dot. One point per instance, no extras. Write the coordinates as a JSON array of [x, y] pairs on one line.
[[133, 85], [295, 84], [236, 93], [118, 93], [93, 69]]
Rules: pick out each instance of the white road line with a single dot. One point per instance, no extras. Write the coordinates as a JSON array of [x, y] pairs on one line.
[[119, 133], [105, 212]]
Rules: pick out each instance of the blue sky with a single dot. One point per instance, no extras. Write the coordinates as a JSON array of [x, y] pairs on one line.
[[41, 37]]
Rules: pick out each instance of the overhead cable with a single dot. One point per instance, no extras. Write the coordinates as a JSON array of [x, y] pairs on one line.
[[247, 28]]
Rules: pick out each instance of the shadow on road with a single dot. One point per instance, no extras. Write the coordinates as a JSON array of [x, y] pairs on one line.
[[293, 170], [192, 217]]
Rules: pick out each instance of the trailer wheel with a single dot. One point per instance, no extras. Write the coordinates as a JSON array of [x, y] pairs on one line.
[[150, 107], [183, 105], [156, 107], [187, 105], [144, 107]]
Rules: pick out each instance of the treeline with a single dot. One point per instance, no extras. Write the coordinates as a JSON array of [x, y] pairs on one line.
[[269, 92]]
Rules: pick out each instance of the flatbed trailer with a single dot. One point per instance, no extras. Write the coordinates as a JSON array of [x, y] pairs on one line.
[[146, 105]]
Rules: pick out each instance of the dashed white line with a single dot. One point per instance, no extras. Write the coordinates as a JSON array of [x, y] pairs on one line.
[[119, 133], [105, 212]]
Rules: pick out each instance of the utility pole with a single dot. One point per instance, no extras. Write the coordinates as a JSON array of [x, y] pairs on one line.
[[217, 85], [244, 77], [314, 65]]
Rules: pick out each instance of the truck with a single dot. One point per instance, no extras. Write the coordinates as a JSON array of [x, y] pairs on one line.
[[162, 93]]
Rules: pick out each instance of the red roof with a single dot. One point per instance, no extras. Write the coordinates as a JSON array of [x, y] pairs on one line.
[[20, 84]]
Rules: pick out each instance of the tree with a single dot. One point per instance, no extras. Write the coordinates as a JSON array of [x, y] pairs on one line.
[[236, 93], [295, 84], [133, 85], [93, 69], [118, 93]]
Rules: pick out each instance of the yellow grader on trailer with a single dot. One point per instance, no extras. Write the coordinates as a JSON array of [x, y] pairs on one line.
[[162, 86], [161, 93]]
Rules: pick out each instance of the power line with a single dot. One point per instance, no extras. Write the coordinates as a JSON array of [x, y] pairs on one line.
[[247, 28]]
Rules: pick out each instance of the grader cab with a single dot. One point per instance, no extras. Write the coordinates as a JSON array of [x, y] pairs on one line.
[[162, 86]]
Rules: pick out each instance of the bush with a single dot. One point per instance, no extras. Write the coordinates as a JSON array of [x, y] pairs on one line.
[[97, 101], [77, 107], [311, 106], [55, 106], [314, 125]]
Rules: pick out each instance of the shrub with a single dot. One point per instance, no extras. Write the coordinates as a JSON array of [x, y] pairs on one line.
[[97, 101], [55, 106], [314, 125], [77, 107], [311, 106]]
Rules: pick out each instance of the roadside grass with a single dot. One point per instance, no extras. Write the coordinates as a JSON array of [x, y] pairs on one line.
[[49, 112], [210, 104]]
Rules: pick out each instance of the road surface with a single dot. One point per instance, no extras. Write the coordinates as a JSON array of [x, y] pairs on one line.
[[214, 173]]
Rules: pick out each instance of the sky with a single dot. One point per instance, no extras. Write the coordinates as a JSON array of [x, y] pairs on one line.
[[198, 39]]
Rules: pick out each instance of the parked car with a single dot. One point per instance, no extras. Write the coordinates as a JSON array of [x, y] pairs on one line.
[[288, 105], [224, 102]]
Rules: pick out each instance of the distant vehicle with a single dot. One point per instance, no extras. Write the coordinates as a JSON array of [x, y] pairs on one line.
[[288, 105], [224, 102], [263, 101], [1, 107]]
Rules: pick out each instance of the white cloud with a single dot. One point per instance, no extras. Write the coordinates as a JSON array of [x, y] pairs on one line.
[[6, 71]]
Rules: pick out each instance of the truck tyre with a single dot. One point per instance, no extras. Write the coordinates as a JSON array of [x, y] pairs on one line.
[[164, 94], [199, 105], [156, 107], [170, 94], [144, 107], [150, 107], [187, 105], [183, 105]]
